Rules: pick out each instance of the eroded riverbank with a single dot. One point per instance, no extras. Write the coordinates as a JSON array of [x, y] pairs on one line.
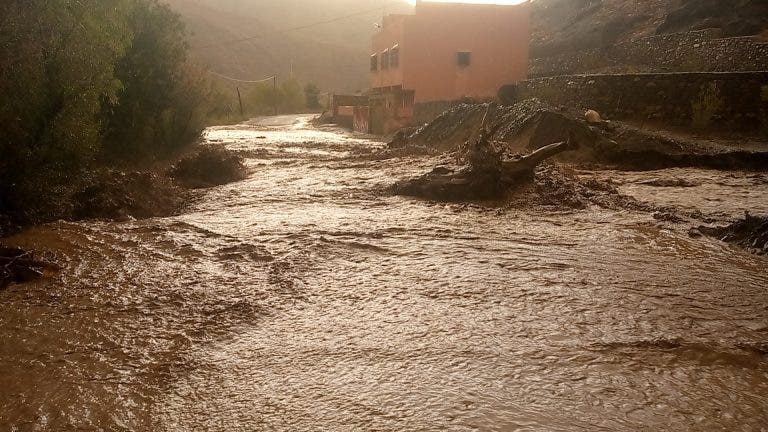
[[306, 298]]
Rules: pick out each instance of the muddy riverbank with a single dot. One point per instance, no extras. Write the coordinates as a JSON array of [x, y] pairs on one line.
[[305, 297]]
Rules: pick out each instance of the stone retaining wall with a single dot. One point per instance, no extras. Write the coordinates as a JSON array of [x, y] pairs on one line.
[[734, 100], [680, 52]]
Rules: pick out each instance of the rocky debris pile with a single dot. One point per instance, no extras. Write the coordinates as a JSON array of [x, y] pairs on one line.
[[18, 266], [750, 233], [452, 127], [209, 166], [461, 124], [326, 117], [559, 187], [114, 194]]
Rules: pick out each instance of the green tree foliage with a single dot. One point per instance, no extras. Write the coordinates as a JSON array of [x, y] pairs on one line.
[[82, 78], [57, 68], [288, 96], [293, 100], [162, 101], [261, 99], [312, 93]]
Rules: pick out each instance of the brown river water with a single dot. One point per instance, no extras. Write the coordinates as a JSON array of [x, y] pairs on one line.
[[305, 299]]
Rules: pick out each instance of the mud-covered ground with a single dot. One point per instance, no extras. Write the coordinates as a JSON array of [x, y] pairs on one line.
[[306, 297]]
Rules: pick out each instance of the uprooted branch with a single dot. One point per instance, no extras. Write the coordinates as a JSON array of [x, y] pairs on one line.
[[487, 172], [18, 265]]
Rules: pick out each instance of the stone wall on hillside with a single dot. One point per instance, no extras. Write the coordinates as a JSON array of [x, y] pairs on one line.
[[697, 51], [733, 100]]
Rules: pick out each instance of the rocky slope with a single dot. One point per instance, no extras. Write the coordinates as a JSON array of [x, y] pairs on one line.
[[565, 25]]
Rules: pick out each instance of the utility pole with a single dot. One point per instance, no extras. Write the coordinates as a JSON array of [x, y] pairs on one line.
[[240, 99], [274, 92]]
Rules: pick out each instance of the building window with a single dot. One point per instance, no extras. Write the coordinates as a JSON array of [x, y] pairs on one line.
[[374, 63], [394, 56], [463, 58], [385, 59]]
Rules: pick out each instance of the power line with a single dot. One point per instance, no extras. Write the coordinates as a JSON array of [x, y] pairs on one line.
[[287, 30], [229, 78]]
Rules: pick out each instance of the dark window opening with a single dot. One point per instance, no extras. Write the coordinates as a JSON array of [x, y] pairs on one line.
[[374, 63], [394, 57], [385, 59], [464, 58]]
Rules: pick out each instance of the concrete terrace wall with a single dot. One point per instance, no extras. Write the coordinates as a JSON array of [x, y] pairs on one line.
[[680, 52], [737, 100]]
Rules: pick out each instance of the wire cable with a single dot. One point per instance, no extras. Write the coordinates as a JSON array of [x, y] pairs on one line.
[[287, 30], [229, 78]]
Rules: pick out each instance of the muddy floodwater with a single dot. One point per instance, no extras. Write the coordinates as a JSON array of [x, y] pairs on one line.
[[305, 298]]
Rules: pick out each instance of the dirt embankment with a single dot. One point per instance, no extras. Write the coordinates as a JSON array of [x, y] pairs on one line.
[[111, 193], [532, 124], [107, 193]]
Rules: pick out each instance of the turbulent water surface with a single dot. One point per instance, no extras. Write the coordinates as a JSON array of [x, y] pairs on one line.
[[305, 298]]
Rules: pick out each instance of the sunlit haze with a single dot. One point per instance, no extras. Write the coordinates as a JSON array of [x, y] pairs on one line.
[[383, 215], [500, 2]]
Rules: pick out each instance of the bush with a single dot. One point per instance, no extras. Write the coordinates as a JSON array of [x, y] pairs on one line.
[[57, 68], [163, 97], [209, 166], [706, 106], [312, 94]]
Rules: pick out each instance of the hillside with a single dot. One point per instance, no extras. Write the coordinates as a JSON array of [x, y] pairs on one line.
[[333, 55], [565, 25]]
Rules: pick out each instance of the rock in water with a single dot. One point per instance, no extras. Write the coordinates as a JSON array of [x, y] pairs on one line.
[[593, 117]]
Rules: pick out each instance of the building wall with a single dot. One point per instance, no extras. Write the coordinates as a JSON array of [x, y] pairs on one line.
[[390, 35], [497, 37]]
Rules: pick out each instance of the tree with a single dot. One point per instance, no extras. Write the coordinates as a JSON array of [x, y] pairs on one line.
[[263, 98], [292, 97], [79, 77], [58, 62], [158, 107], [312, 94]]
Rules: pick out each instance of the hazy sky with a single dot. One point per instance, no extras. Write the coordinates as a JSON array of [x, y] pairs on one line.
[[475, 1]]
